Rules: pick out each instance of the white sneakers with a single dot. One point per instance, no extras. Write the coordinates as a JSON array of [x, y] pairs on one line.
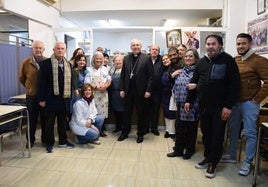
[[245, 169]]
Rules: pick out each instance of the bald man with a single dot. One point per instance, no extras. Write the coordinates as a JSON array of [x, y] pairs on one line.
[[28, 78], [54, 95]]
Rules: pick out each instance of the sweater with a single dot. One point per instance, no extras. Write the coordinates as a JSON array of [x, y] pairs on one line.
[[218, 81], [253, 69]]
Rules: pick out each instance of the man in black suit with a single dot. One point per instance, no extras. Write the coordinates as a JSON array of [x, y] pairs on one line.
[[155, 99], [136, 84]]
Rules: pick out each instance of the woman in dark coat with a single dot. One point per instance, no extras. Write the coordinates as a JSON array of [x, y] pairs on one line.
[[117, 102], [169, 116]]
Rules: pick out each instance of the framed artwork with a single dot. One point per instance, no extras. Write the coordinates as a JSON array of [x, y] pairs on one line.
[[191, 39], [260, 6], [258, 30], [173, 38]]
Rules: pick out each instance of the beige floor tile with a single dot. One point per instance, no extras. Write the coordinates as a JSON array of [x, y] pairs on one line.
[[88, 165], [40, 178], [125, 155], [121, 167], [56, 163], [154, 157], [194, 183], [115, 180], [114, 163], [154, 143], [77, 179], [155, 170], [153, 182], [230, 184], [188, 172], [18, 161], [95, 152], [128, 144], [10, 175]]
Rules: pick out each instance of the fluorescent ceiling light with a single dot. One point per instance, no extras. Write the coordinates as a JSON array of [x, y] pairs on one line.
[[170, 23]]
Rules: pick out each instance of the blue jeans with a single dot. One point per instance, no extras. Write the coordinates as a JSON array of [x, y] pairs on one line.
[[247, 111], [91, 134]]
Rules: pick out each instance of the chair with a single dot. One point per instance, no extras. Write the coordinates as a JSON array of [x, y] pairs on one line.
[[261, 145], [10, 126]]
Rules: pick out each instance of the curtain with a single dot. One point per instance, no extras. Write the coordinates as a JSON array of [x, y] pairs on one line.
[[11, 57]]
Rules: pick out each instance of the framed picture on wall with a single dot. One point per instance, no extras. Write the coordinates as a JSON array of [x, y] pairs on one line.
[[260, 6], [173, 38], [258, 29]]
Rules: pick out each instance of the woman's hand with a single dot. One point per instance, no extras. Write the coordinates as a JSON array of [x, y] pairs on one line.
[[122, 94], [187, 107], [176, 73], [225, 114], [76, 92], [147, 95], [89, 123], [191, 86]]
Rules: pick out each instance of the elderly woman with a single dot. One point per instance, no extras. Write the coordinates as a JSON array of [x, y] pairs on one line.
[[100, 80], [117, 102], [86, 123]]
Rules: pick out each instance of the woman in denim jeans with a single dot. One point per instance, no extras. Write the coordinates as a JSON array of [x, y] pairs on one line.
[[86, 123]]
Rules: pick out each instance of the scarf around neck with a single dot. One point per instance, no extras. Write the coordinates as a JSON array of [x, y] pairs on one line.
[[67, 77], [88, 99]]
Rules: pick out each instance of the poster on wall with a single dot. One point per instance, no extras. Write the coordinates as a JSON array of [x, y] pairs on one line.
[[191, 39], [258, 30], [173, 38]]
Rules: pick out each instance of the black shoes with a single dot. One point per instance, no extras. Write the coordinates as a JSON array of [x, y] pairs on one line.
[[116, 130], [155, 132], [102, 134], [27, 145], [122, 137], [172, 136], [175, 154], [166, 135], [140, 139], [211, 171], [187, 155]]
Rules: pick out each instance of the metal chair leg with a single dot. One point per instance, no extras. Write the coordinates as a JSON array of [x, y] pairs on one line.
[[257, 158]]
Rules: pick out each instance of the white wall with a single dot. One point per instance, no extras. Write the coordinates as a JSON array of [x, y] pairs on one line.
[[234, 22], [120, 41], [33, 10]]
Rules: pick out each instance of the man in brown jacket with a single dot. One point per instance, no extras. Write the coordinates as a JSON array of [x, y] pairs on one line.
[[254, 88], [28, 78]]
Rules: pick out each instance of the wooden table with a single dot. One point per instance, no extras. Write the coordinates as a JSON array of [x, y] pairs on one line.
[[9, 113]]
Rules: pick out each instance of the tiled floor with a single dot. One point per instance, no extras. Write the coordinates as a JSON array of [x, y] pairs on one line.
[[113, 164]]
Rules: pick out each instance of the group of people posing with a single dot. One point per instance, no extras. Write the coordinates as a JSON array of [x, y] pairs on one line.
[[216, 90]]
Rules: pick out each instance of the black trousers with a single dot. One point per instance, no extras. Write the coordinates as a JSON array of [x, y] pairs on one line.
[[133, 99], [118, 120], [186, 134], [213, 129], [153, 107], [61, 124], [35, 110]]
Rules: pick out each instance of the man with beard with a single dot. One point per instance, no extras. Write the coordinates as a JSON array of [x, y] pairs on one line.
[[217, 79], [253, 71]]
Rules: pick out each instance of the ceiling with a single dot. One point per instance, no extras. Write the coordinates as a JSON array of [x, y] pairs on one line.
[[150, 18], [121, 18]]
